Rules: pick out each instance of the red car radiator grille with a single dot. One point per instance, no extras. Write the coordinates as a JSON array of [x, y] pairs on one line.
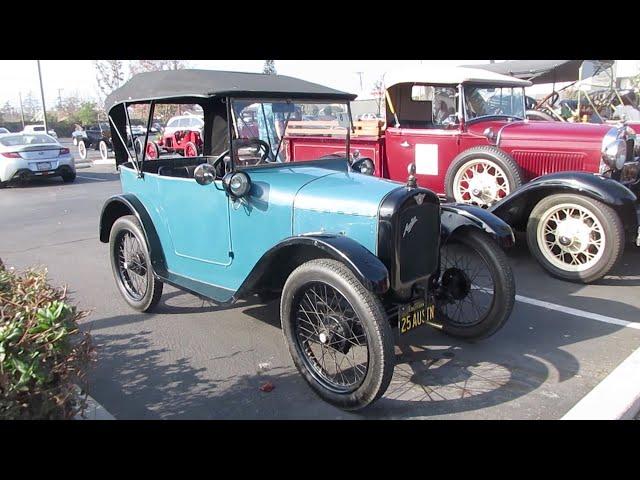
[[534, 164]]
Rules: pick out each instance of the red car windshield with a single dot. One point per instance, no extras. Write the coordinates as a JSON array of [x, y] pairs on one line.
[[482, 101]]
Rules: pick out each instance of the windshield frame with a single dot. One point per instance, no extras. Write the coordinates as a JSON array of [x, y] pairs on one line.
[[463, 98], [234, 124]]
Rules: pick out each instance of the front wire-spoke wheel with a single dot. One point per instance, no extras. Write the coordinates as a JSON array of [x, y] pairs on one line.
[[480, 182], [337, 333], [476, 286], [131, 265], [574, 237], [329, 334]]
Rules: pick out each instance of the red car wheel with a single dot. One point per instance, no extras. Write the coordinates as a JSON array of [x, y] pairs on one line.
[[152, 151], [190, 150]]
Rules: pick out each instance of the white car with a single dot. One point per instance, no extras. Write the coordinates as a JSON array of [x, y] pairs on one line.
[[184, 122], [38, 129], [24, 156]]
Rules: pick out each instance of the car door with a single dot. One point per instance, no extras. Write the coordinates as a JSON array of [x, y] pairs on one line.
[[197, 222], [428, 134], [432, 151]]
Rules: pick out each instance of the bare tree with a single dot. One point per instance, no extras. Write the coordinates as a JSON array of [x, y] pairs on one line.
[[139, 66], [269, 67], [109, 75], [162, 111]]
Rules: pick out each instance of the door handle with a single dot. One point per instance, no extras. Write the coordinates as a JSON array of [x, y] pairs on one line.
[[405, 144]]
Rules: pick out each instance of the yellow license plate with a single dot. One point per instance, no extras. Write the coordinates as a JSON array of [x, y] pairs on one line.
[[414, 315]]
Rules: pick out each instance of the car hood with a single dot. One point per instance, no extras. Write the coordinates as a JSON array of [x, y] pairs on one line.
[[344, 192], [553, 131]]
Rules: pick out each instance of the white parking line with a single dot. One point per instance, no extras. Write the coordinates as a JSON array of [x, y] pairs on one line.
[[578, 313], [95, 178], [617, 397]]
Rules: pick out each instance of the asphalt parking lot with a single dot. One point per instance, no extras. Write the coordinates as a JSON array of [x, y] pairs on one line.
[[193, 360]]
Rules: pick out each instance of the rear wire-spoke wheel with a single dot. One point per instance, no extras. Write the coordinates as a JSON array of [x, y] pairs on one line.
[[131, 265], [574, 237], [153, 152], [477, 289], [190, 150], [82, 149], [337, 334]]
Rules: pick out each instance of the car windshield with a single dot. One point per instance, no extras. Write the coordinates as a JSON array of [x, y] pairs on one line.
[[28, 139], [482, 101], [273, 122]]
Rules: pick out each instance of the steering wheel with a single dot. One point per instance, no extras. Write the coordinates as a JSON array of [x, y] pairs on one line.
[[259, 144], [243, 143]]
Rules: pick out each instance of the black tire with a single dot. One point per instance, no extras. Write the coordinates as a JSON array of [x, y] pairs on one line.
[[489, 153], [82, 149], [612, 229], [3, 185], [68, 177], [104, 150], [371, 322], [137, 145], [471, 250], [129, 225]]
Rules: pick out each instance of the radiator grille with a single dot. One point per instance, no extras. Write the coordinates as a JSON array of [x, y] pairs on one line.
[[534, 164]]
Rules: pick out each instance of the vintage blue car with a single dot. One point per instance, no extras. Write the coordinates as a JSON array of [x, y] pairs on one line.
[[351, 256]]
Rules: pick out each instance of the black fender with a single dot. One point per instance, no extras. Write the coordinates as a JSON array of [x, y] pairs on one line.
[[516, 208], [457, 215], [128, 204], [279, 261]]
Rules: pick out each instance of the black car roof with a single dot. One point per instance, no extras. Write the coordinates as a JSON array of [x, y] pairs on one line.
[[176, 84]]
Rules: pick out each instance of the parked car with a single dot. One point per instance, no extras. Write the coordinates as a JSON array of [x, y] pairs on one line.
[[182, 135], [98, 137], [3, 130], [24, 156], [39, 129], [350, 256], [572, 187]]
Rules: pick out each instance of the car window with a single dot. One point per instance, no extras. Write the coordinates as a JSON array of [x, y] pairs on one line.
[[444, 106], [27, 139], [173, 123]]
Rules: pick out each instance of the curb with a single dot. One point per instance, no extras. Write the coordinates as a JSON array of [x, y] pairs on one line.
[[94, 411], [108, 161], [617, 397]]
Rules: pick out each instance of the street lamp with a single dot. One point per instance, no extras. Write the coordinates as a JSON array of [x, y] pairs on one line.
[[44, 109]]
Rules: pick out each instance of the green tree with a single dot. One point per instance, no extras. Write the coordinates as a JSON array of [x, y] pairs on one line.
[[269, 67], [87, 114]]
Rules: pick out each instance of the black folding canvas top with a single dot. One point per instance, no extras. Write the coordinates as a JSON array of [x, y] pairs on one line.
[[176, 84]]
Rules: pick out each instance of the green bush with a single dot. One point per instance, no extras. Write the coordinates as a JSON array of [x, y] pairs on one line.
[[43, 354]]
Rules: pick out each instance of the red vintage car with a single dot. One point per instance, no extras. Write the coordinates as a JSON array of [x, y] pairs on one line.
[[572, 187]]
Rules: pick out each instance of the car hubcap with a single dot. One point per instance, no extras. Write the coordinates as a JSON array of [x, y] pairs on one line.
[[571, 237], [480, 182], [330, 337], [132, 265]]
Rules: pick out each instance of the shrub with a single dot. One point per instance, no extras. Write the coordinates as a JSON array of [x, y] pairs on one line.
[[43, 354]]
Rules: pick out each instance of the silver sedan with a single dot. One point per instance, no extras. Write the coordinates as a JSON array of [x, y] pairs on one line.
[[24, 156]]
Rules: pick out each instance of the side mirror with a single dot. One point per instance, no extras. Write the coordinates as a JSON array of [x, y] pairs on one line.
[[204, 174]]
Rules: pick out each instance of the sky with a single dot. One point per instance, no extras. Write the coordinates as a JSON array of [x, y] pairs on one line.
[[77, 77]]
